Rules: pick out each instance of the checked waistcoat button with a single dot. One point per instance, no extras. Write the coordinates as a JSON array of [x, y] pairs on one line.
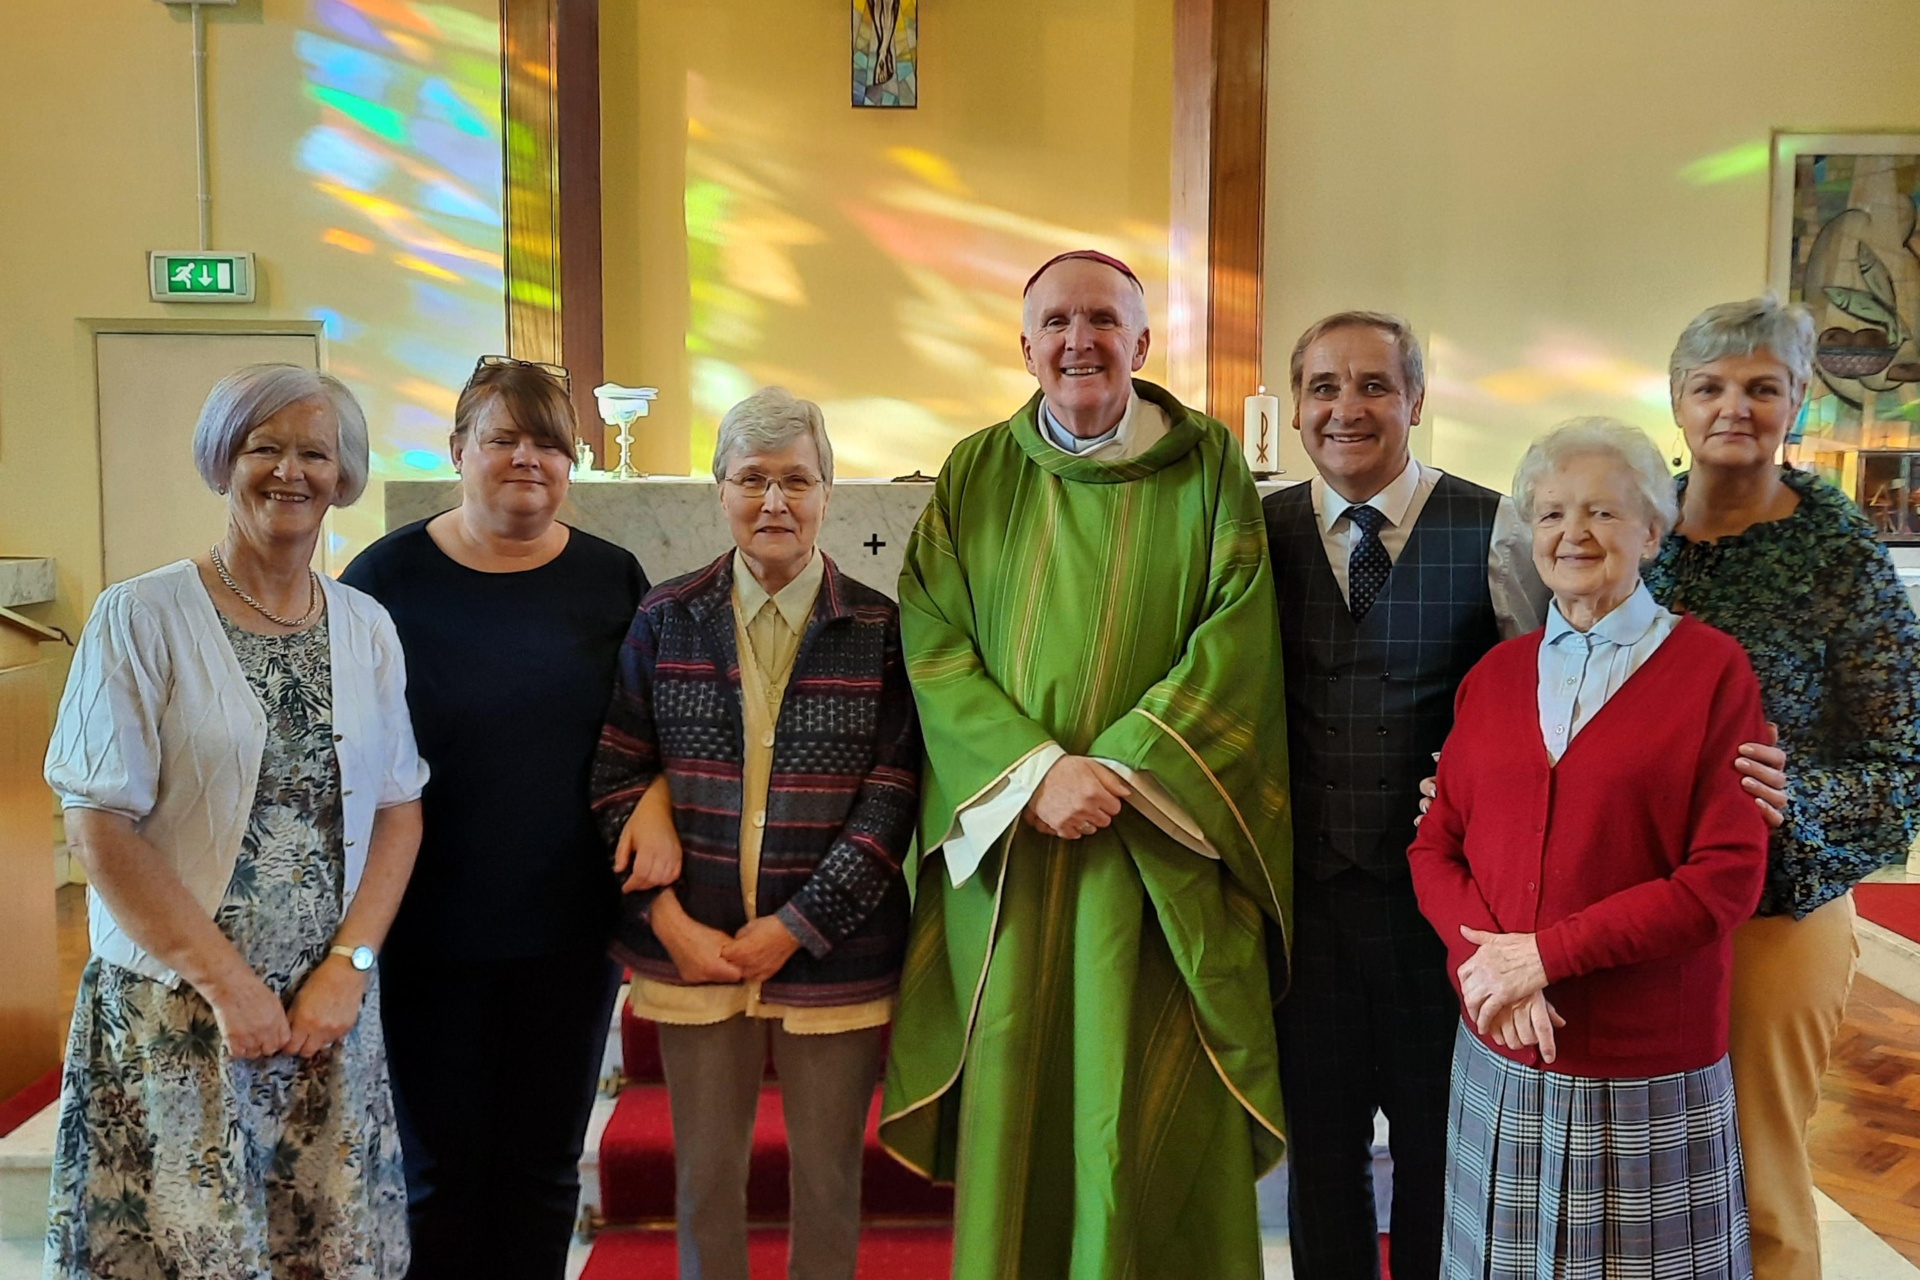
[[1369, 565]]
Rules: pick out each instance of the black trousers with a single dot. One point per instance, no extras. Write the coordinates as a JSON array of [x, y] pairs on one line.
[[1368, 1024], [494, 1066]]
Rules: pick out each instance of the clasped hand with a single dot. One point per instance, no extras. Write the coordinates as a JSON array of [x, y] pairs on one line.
[[1502, 988], [1078, 797], [703, 954], [254, 1022]]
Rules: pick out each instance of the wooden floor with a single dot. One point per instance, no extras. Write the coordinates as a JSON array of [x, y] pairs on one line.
[[1866, 1136]]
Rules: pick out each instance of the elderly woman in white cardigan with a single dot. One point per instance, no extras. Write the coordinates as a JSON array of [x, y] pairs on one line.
[[238, 773]]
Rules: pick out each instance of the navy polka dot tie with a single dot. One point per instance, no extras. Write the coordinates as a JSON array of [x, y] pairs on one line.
[[1369, 565]]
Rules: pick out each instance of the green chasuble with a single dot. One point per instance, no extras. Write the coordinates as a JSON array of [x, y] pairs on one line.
[[1084, 1043]]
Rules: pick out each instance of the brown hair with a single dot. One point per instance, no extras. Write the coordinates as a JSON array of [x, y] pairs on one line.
[[534, 401]]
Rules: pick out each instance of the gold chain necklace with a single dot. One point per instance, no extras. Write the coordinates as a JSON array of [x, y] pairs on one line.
[[313, 594]]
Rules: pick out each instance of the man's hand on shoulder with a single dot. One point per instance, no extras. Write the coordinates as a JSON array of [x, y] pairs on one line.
[[1078, 797]]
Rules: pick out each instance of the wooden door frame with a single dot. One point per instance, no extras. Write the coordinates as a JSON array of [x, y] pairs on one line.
[[1217, 216], [550, 131]]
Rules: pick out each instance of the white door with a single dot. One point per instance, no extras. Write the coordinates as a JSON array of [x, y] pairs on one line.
[[154, 508]]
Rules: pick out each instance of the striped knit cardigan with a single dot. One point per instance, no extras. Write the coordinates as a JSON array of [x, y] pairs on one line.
[[845, 782]]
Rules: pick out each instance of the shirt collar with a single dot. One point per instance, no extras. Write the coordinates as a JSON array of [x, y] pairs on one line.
[[1626, 626], [1391, 502], [794, 601], [1065, 441]]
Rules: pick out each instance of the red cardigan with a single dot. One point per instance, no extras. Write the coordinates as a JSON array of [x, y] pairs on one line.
[[1633, 859]]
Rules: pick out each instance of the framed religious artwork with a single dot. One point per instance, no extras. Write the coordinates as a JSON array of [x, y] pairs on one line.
[[886, 53], [1844, 242]]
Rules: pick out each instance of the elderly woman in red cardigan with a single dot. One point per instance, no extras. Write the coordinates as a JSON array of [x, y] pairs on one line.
[[762, 726], [1587, 859]]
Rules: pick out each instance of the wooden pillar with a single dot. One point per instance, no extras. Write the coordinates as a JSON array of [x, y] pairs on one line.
[[550, 106], [1218, 212], [30, 1014]]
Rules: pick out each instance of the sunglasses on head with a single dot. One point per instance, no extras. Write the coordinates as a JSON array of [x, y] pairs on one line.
[[555, 371]]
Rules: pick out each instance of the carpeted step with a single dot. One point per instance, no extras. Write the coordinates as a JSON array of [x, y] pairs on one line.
[[1891, 906], [886, 1253], [636, 1166], [640, 1050]]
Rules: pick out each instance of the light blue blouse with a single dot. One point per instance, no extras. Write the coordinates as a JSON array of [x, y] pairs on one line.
[[1580, 670]]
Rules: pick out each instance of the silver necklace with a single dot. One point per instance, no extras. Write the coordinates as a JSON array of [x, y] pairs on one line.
[[313, 594]]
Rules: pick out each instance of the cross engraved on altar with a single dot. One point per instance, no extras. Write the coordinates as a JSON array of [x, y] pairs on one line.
[[873, 543]]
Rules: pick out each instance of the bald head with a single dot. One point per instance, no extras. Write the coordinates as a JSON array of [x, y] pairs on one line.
[[1067, 279]]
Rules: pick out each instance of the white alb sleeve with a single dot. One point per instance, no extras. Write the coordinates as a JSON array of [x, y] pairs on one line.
[[985, 818]]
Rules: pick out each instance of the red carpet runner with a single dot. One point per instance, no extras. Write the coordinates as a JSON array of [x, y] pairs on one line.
[[1891, 906], [909, 1236]]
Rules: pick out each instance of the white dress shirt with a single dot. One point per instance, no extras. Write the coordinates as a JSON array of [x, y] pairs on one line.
[[980, 823], [1519, 597], [1580, 670]]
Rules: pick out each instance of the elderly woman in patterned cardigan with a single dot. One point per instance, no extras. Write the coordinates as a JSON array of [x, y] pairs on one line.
[[762, 721]]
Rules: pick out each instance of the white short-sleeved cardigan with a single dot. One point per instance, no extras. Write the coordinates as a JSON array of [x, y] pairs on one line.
[[159, 725]]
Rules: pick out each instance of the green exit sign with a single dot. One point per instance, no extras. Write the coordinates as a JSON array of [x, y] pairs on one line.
[[186, 275]]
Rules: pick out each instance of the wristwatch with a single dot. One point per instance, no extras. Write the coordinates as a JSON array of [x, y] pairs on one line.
[[360, 957]]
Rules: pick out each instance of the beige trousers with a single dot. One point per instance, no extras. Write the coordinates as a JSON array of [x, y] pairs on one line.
[[713, 1087], [1790, 984]]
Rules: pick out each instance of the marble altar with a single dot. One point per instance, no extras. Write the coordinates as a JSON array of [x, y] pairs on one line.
[[675, 525], [25, 580]]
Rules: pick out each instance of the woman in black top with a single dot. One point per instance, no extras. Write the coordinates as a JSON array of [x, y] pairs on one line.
[[495, 976]]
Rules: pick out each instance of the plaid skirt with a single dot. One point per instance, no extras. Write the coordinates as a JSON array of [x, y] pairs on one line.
[[1554, 1177]]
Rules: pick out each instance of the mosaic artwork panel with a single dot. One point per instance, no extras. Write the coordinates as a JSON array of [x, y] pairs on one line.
[[886, 53]]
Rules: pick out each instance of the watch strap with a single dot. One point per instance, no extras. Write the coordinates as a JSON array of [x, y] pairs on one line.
[[351, 954]]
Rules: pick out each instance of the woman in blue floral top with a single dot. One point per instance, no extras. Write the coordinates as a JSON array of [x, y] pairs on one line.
[[1787, 564]]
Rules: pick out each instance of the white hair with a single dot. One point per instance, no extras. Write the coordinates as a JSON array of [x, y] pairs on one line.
[[769, 419], [253, 393], [1600, 438], [1742, 328]]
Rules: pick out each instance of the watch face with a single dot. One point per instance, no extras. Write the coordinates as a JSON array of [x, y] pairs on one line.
[[363, 958]]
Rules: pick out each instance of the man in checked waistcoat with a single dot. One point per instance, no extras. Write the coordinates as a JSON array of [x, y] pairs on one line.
[[1393, 579]]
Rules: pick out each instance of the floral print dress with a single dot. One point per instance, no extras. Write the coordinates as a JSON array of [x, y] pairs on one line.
[[175, 1161]]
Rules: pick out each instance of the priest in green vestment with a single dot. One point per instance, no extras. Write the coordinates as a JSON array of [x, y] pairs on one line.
[[1084, 1043]]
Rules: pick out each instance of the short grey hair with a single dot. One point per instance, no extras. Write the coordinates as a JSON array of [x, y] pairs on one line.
[[1609, 438], [1742, 328], [1413, 365], [771, 418], [253, 393]]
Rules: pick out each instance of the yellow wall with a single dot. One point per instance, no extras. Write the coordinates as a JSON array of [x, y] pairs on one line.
[[1550, 191], [98, 157], [760, 229]]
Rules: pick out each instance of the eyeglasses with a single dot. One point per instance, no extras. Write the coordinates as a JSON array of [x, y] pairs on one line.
[[795, 485], [555, 371]]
